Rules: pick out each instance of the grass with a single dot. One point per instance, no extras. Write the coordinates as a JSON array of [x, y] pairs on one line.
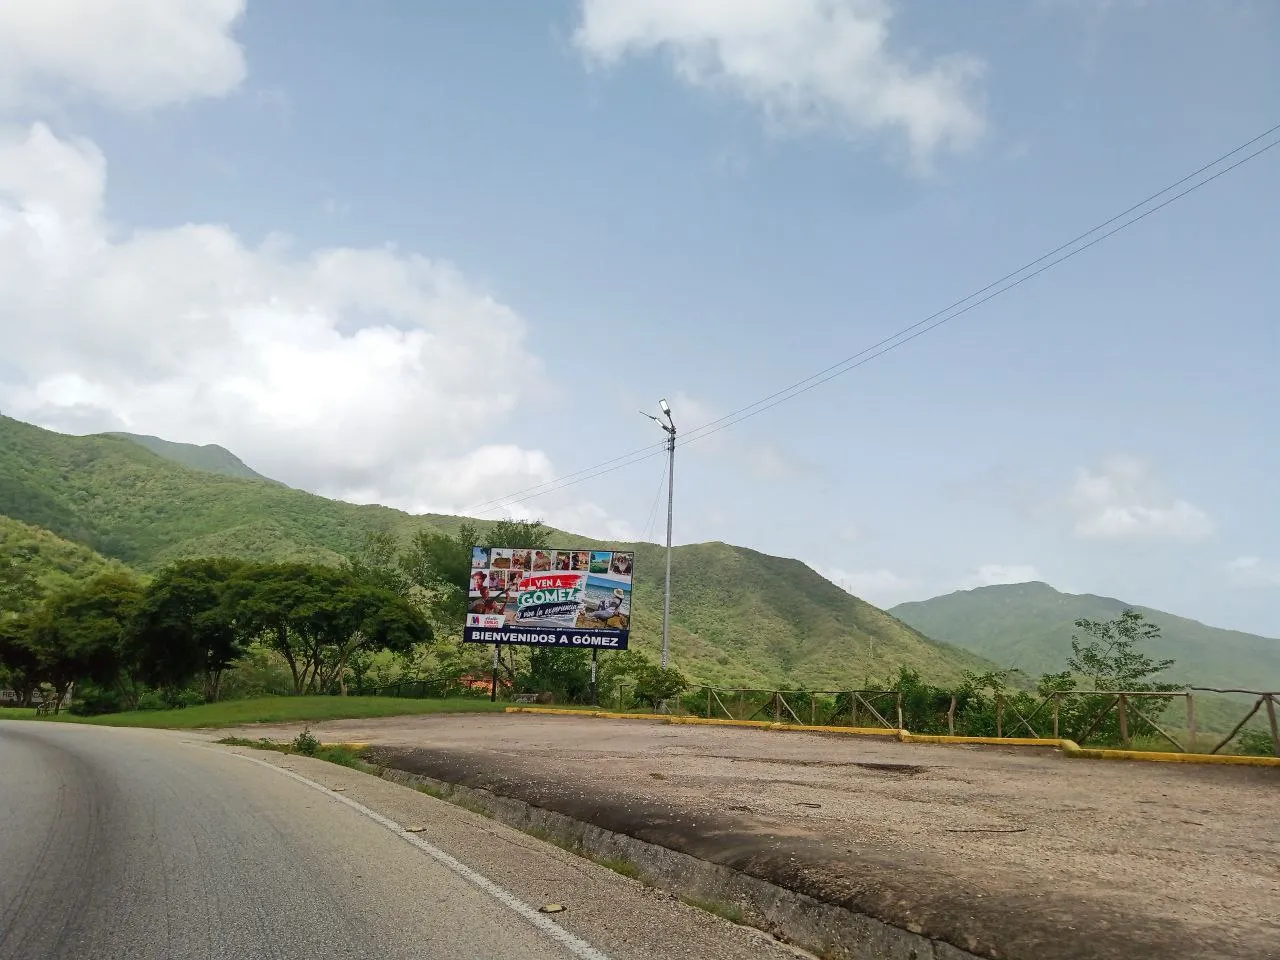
[[340, 753], [726, 911], [233, 713]]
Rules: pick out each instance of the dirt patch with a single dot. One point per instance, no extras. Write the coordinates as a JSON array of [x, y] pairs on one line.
[[1004, 853]]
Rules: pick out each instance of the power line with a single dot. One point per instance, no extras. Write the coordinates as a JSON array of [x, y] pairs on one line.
[[657, 498], [916, 329], [500, 501], [956, 309]]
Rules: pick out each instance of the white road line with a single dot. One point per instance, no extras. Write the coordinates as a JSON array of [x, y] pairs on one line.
[[576, 946]]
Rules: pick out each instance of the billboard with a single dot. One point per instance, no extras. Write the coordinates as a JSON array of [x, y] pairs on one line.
[[564, 598]]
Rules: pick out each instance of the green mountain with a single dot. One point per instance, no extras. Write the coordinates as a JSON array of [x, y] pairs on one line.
[[738, 616], [1029, 626], [210, 458]]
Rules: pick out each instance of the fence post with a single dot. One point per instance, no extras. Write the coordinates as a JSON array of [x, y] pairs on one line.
[[813, 709], [999, 715], [1192, 747], [853, 710], [951, 717], [1271, 719], [1057, 704], [777, 707], [708, 703], [900, 726], [1124, 722]]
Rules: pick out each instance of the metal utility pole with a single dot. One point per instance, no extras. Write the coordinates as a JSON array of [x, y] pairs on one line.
[[670, 428]]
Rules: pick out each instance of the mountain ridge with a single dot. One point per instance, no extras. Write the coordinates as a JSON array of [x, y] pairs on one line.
[[1028, 626], [738, 615], [209, 457]]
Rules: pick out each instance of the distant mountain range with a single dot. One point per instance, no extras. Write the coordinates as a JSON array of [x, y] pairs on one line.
[[738, 616], [1029, 626]]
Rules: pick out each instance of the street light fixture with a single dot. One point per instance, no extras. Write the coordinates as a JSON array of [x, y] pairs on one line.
[[670, 428]]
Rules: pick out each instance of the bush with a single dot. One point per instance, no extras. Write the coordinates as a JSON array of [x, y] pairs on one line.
[[1256, 743], [306, 743], [94, 701]]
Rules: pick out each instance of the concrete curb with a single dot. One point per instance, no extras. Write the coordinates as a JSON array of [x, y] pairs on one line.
[[1069, 748], [827, 930]]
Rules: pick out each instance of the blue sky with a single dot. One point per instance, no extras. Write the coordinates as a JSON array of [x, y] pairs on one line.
[[431, 254]]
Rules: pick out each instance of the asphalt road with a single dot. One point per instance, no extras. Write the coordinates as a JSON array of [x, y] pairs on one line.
[[145, 844]]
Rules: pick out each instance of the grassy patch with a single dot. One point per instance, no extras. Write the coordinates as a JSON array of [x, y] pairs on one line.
[[341, 754], [728, 911], [232, 713], [621, 865], [17, 713]]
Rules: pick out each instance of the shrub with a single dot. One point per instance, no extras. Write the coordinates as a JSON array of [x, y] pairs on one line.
[[306, 743], [1257, 743]]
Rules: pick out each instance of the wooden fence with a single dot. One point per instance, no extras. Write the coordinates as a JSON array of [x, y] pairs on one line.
[[1014, 717]]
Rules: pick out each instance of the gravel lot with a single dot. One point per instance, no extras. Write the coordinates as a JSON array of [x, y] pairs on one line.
[[1018, 851]]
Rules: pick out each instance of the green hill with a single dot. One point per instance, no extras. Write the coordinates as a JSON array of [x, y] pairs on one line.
[[210, 458], [1029, 626], [738, 616], [53, 562]]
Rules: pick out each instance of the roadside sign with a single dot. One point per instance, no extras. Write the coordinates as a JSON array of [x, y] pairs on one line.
[[562, 598]]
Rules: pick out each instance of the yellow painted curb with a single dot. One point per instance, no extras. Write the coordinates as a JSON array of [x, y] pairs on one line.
[[349, 746], [706, 721], [1069, 748], [1089, 753]]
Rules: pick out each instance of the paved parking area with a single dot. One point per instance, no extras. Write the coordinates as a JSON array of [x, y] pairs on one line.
[[1018, 849]]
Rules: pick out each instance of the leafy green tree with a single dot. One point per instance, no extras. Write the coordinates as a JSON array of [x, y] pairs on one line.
[[655, 684], [83, 633], [185, 628], [20, 668], [316, 617], [525, 534], [1110, 658]]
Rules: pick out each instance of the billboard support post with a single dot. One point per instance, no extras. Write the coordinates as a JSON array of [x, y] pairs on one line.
[[493, 677], [595, 656]]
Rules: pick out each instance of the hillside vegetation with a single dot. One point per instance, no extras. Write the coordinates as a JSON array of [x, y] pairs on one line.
[[54, 563], [210, 458], [738, 616], [1029, 626]]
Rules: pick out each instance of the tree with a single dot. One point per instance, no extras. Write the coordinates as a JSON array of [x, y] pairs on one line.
[[185, 628], [316, 617], [525, 534], [1110, 659], [362, 617], [19, 665], [83, 633]]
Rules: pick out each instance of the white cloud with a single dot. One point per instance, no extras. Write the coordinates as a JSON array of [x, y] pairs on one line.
[[1123, 501], [351, 372], [133, 54], [883, 588], [1254, 572], [990, 574], [805, 63]]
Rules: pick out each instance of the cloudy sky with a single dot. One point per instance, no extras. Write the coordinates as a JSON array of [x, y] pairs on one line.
[[433, 254]]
